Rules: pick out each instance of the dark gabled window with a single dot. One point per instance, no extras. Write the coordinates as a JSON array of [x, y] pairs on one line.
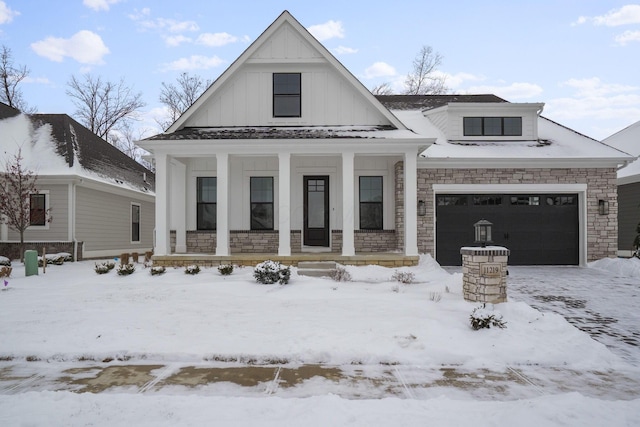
[[261, 203], [206, 203], [37, 209], [287, 95], [492, 126], [135, 223], [371, 203]]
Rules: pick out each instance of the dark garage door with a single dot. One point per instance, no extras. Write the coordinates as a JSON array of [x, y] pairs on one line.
[[538, 229]]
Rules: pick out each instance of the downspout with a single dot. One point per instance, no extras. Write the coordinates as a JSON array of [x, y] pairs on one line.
[[72, 217]]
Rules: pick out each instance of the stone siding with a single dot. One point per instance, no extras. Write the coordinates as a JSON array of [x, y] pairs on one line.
[[602, 230], [240, 241], [366, 241], [477, 287]]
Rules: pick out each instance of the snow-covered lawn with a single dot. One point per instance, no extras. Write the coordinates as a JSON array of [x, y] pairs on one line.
[[71, 313]]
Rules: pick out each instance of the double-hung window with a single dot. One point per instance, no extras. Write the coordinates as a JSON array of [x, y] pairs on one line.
[[206, 203], [135, 222], [287, 92], [371, 203], [38, 209], [261, 203]]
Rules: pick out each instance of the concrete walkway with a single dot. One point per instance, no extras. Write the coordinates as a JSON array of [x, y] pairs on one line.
[[350, 382]]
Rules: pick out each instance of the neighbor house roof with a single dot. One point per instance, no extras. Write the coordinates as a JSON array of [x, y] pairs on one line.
[[628, 139], [56, 144], [428, 102]]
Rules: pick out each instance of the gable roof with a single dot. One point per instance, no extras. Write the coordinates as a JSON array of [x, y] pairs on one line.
[[322, 52], [429, 102], [56, 144], [628, 139]]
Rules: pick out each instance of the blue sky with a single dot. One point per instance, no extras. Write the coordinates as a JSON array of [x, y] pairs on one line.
[[580, 57]]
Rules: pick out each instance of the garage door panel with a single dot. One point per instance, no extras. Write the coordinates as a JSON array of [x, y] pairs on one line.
[[537, 228]]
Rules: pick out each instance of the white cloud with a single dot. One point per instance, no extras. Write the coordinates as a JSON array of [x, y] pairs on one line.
[[628, 36], [455, 81], [216, 39], [343, 50], [98, 5], [509, 92], [629, 14], [594, 87], [379, 69], [194, 62], [6, 14], [84, 46], [177, 40], [37, 80], [143, 19], [328, 30]]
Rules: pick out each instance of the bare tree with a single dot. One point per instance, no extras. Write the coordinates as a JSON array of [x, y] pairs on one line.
[[11, 76], [382, 89], [177, 98], [102, 105], [124, 138], [423, 80], [17, 189]]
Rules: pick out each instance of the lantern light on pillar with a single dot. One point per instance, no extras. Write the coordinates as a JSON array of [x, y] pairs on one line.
[[603, 207], [422, 208], [483, 232]]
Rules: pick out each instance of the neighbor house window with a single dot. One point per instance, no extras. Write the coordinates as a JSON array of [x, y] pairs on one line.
[[206, 203], [261, 203], [37, 209], [492, 126], [371, 203], [286, 95], [135, 223]]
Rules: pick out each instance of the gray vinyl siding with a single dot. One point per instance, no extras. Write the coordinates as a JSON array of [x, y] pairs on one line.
[[628, 214], [58, 228], [103, 221]]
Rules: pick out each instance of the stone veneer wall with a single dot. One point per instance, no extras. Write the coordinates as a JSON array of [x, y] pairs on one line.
[[366, 241], [399, 200], [602, 230], [240, 241]]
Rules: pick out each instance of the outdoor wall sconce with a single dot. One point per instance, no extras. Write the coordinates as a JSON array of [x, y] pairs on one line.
[[603, 207], [483, 232], [422, 208]]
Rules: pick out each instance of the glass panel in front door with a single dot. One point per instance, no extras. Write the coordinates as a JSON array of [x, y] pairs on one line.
[[315, 190]]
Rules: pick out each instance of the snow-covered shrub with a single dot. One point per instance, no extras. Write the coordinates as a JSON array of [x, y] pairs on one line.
[[405, 277], [636, 242], [156, 271], [435, 296], [340, 274], [55, 259], [192, 269], [269, 272], [482, 317], [5, 261], [104, 267], [126, 269], [225, 269], [66, 256]]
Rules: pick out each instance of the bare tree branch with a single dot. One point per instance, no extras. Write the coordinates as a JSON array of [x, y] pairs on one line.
[[178, 98], [423, 80], [102, 106], [10, 78], [382, 89]]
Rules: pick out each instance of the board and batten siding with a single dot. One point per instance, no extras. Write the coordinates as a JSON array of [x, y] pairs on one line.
[[628, 215], [58, 228], [103, 221]]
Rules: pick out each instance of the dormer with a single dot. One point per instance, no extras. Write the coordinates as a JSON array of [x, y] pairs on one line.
[[487, 121]]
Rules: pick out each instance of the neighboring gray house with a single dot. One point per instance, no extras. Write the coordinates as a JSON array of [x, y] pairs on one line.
[[101, 200], [628, 140], [288, 156]]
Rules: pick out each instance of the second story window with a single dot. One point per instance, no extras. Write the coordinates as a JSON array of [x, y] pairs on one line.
[[492, 126], [287, 95]]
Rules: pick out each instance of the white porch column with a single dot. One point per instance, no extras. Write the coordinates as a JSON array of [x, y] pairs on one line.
[[163, 205], [179, 183], [410, 203], [284, 204], [222, 207], [348, 245]]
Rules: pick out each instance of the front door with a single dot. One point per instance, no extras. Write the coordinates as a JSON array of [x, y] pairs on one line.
[[316, 211]]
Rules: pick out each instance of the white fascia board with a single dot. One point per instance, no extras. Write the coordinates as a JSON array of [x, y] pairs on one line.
[[631, 179], [95, 184], [293, 146], [458, 163], [508, 188]]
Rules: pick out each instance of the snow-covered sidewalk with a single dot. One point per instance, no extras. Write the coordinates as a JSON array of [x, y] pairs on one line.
[[416, 337]]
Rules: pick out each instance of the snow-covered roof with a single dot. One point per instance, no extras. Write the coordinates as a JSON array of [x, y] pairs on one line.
[[628, 140], [556, 144], [56, 145]]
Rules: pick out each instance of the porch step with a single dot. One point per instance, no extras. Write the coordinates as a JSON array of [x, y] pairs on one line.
[[316, 268]]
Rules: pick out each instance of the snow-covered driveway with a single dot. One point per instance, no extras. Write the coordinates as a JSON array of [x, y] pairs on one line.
[[605, 305]]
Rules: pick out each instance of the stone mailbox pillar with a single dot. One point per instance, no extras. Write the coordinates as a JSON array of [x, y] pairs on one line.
[[484, 274]]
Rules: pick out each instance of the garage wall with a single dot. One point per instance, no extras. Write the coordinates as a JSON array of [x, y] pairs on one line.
[[602, 230]]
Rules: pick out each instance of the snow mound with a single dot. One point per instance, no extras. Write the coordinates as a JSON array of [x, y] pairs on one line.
[[621, 267]]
